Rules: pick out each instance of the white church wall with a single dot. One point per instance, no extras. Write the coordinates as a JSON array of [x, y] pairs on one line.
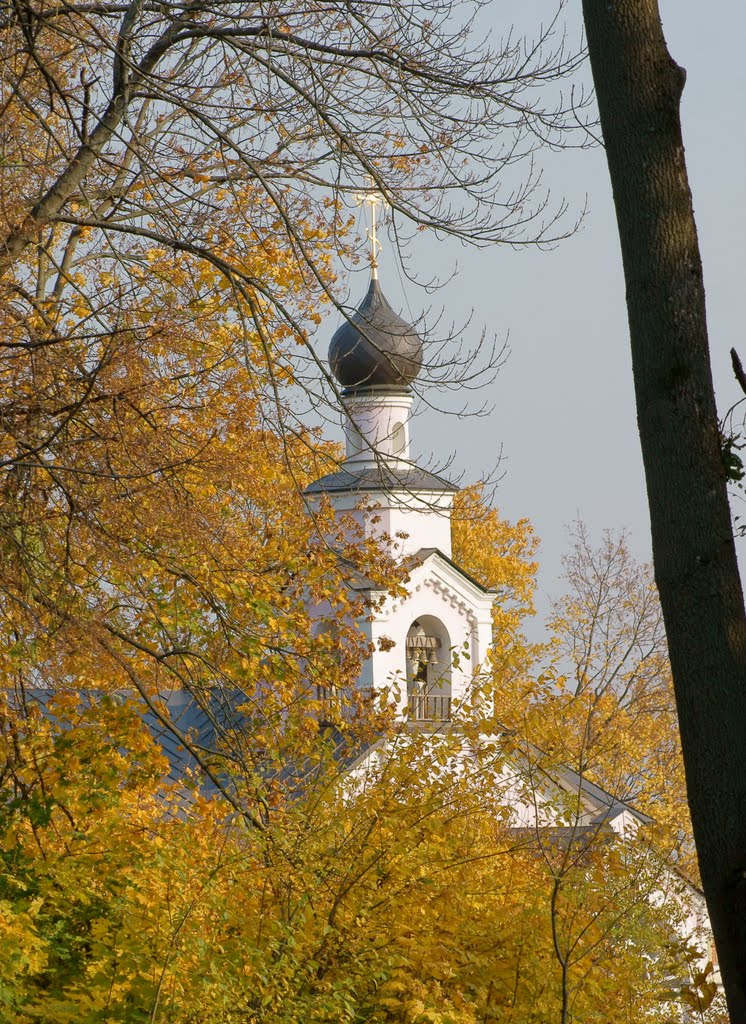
[[410, 522], [426, 524]]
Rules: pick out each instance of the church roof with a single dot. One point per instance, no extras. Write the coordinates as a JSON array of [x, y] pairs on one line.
[[381, 477], [607, 806], [375, 346], [202, 722], [186, 726], [611, 806], [359, 581], [424, 553]]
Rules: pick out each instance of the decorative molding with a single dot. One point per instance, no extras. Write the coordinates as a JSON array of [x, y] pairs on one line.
[[456, 601], [442, 590], [476, 612]]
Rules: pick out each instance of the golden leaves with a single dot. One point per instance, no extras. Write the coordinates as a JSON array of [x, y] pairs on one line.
[[406, 900]]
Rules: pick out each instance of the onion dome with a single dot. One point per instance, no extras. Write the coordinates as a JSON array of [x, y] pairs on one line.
[[375, 346]]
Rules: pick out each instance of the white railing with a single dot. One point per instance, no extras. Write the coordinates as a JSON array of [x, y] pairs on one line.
[[430, 707]]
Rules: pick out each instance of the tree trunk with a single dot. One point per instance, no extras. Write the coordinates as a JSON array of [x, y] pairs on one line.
[[639, 87]]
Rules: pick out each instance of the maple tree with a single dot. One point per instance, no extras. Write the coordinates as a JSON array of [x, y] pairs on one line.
[[151, 521], [598, 695], [157, 538], [403, 894], [596, 698], [618, 702], [175, 183], [123, 897]]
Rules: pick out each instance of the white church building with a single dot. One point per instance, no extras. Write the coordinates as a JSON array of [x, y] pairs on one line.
[[375, 357], [428, 645]]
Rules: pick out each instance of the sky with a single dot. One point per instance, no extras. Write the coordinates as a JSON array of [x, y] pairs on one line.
[[563, 413]]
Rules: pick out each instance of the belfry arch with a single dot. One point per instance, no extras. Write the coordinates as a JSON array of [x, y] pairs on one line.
[[428, 653]]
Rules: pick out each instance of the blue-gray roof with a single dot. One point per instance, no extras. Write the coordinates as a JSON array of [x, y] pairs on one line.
[[381, 477], [191, 728]]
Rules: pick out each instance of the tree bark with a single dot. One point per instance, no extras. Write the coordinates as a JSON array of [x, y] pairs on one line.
[[639, 86]]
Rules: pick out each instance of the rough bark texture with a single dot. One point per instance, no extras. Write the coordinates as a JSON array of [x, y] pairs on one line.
[[639, 87]]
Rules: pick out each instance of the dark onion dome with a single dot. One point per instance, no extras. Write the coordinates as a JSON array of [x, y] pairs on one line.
[[375, 346]]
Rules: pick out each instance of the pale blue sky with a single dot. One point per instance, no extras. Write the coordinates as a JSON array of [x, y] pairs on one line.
[[564, 410]]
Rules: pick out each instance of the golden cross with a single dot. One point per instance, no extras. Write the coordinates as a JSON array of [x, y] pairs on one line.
[[372, 199]]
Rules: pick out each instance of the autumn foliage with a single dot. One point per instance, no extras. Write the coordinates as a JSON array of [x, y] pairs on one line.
[[124, 897], [160, 294], [405, 894], [155, 540]]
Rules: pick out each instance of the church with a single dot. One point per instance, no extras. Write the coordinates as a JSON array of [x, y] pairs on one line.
[[375, 357], [427, 646], [430, 640]]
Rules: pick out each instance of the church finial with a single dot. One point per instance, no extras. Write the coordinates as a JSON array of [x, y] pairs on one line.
[[372, 199], [375, 347]]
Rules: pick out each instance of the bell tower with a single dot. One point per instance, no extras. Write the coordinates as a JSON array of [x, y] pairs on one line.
[[427, 645], [375, 357]]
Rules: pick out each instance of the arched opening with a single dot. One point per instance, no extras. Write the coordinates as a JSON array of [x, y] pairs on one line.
[[398, 439], [327, 692], [428, 649]]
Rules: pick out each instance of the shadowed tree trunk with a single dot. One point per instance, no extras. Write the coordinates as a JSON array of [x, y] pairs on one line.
[[639, 87]]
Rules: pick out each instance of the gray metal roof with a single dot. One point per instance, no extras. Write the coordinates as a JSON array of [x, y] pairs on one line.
[[381, 477], [204, 721], [574, 782], [375, 346]]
